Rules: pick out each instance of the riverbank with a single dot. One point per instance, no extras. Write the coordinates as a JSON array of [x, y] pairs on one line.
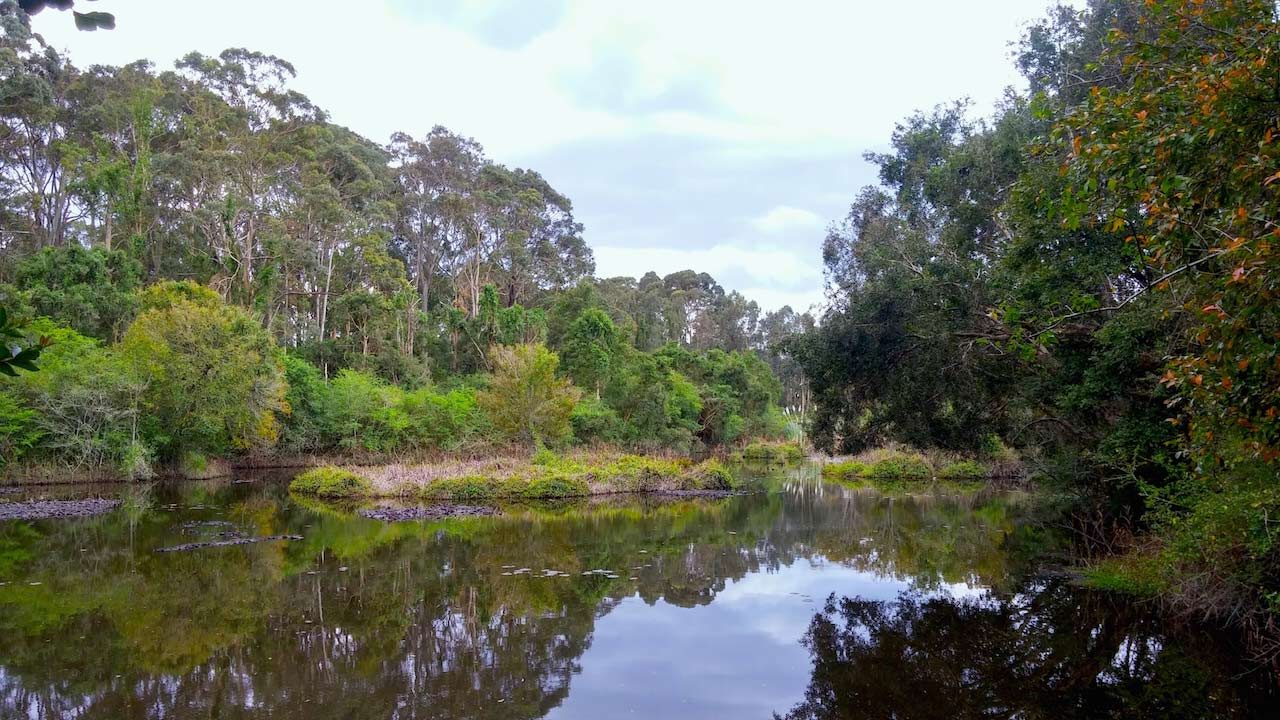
[[545, 475], [199, 467]]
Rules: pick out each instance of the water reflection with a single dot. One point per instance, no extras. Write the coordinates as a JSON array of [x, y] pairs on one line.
[[1047, 651], [699, 614]]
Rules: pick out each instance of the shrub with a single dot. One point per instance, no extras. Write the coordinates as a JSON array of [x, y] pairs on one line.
[[211, 374], [470, 487], [330, 482], [135, 462], [902, 466], [593, 420], [774, 451], [963, 470], [848, 470], [556, 486], [525, 400], [441, 420], [18, 430], [710, 475], [545, 457]]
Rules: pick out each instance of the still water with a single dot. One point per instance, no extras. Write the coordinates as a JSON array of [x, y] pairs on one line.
[[804, 600]]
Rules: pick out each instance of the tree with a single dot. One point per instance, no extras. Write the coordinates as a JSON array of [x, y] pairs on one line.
[[213, 378], [1183, 156], [89, 290], [590, 349], [525, 400]]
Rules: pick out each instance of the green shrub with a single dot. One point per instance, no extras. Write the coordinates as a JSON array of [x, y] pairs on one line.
[[773, 451], [471, 487], [330, 482], [901, 466], [135, 462], [637, 473], [848, 470], [18, 430], [710, 475], [963, 470], [556, 486], [594, 421], [441, 420], [545, 458]]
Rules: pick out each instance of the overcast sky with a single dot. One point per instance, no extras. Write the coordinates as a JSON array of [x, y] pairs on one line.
[[718, 136]]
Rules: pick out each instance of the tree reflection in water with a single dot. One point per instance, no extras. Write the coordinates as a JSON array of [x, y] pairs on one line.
[[1047, 651], [427, 620]]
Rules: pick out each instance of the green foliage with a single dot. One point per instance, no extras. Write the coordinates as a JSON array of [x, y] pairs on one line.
[[711, 474], [14, 357], [963, 470], [594, 421], [330, 483], [589, 349], [555, 487], [776, 452], [212, 377], [900, 465], [88, 290], [525, 401], [19, 432], [86, 400], [848, 470]]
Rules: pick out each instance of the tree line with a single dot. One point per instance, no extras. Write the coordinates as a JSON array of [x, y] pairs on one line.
[[159, 229], [1089, 276]]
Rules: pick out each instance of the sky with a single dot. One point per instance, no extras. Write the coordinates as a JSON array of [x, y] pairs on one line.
[[721, 136]]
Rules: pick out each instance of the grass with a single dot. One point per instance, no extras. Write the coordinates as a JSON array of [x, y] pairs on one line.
[[330, 483], [774, 452], [899, 470], [544, 476], [963, 470]]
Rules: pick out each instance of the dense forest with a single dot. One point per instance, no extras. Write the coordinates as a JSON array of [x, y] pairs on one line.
[[1091, 278], [206, 266]]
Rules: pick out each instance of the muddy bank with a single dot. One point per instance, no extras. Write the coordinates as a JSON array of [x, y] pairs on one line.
[[426, 512], [45, 509]]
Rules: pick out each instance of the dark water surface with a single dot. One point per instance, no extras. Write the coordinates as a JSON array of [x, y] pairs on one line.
[[809, 600]]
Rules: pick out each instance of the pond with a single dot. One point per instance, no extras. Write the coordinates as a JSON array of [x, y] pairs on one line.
[[804, 600]]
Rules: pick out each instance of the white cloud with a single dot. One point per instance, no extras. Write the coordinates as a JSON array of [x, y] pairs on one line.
[[785, 217]]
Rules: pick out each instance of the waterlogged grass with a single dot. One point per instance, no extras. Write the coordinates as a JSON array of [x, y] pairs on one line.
[[330, 482], [773, 452], [544, 476], [898, 470]]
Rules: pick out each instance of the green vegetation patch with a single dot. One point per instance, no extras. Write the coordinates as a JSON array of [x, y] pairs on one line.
[[963, 470], [710, 475], [846, 471], [550, 476], [330, 482], [774, 452]]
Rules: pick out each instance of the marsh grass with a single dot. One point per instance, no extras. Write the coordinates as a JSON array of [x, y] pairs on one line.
[[543, 476]]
